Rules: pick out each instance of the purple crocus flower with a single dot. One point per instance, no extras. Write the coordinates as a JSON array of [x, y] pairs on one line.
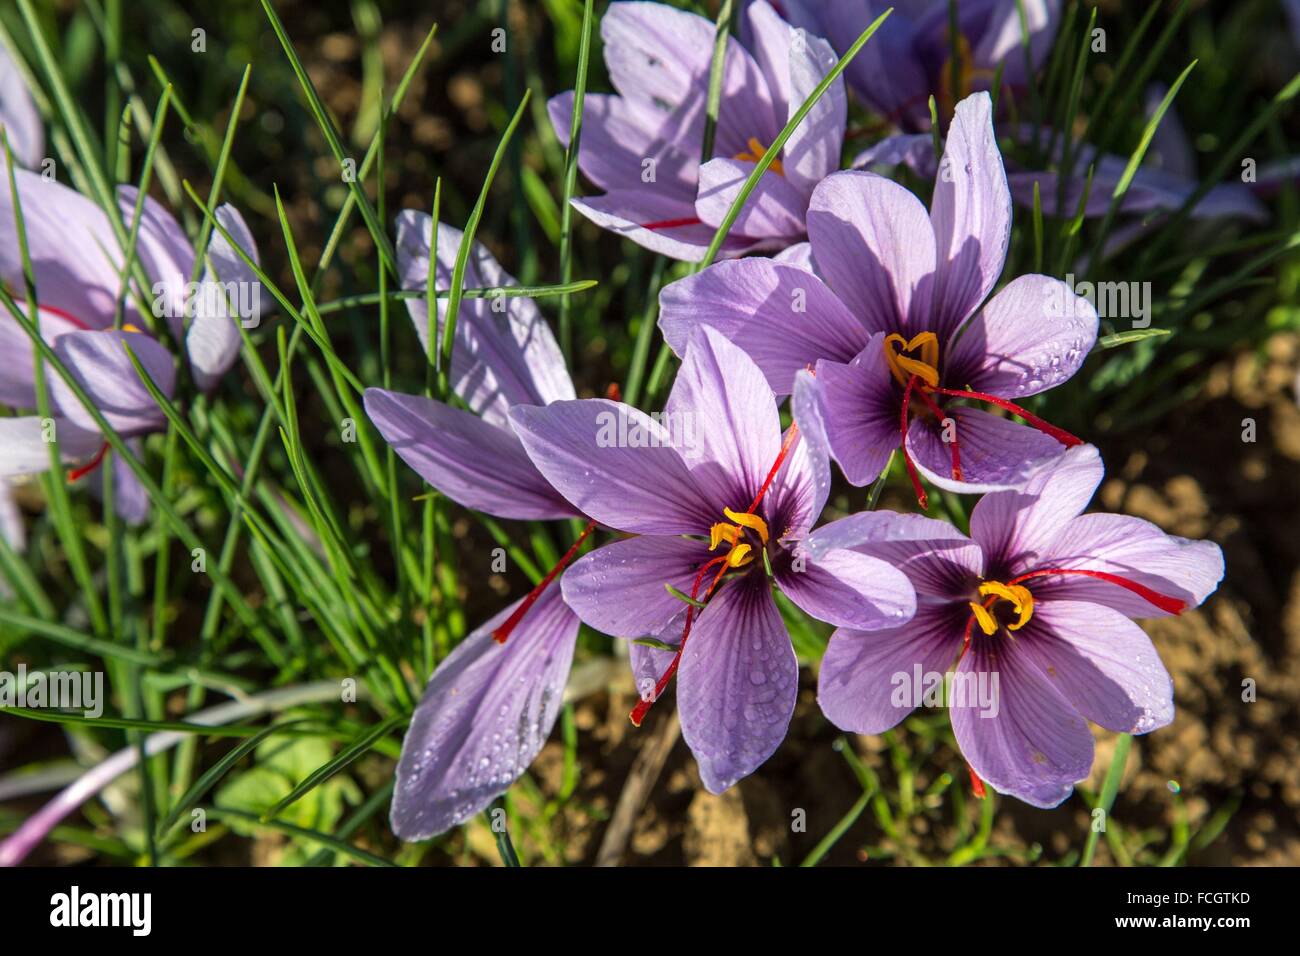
[[642, 146], [910, 57], [18, 114], [1036, 609], [77, 265], [893, 322], [490, 705], [721, 507]]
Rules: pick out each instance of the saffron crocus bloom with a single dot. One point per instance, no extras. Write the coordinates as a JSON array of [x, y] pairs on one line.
[[911, 56], [489, 707], [18, 115], [643, 145], [1035, 608], [722, 507], [897, 332], [77, 265]]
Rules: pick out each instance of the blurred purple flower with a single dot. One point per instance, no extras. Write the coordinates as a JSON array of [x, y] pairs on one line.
[[893, 322], [721, 506], [77, 266], [642, 145], [910, 57], [1035, 608]]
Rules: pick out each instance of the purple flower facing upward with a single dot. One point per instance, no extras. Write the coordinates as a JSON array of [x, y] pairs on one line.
[[721, 507], [643, 145], [893, 322], [490, 705], [1035, 608], [77, 265], [911, 56]]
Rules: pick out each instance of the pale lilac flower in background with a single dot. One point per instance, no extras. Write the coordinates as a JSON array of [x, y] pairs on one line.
[[896, 324], [722, 507], [910, 57], [77, 266], [490, 705], [1040, 597], [1159, 187], [18, 115], [643, 145]]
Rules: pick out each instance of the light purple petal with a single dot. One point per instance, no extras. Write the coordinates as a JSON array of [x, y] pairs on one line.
[[24, 451], [659, 58], [229, 296], [484, 716], [673, 232], [859, 411], [942, 564], [73, 250], [505, 353], [130, 499], [1031, 743], [475, 464], [1015, 527], [619, 588], [725, 416], [617, 138], [737, 683], [871, 680], [875, 246], [165, 254], [616, 465], [783, 316], [1033, 335], [774, 210], [971, 212], [18, 114], [813, 150], [1133, 549], [100, 364], [12, 529], [1002, 41], [848, 589], [1102, 663], [996, 453], [799, 490], [18, 374]]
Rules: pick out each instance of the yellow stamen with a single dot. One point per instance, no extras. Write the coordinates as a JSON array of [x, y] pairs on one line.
[[747, 520], [903, 367], [740, 553], [128, 327], [988, 624], [1021, 600], [755, 153]]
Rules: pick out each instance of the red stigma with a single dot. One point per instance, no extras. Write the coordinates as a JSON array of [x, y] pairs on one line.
[[670, 223], [1170, 605], [91, 465], [976, 784], [921, 498], [1060, 434], [501, 633], [67, 317]]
